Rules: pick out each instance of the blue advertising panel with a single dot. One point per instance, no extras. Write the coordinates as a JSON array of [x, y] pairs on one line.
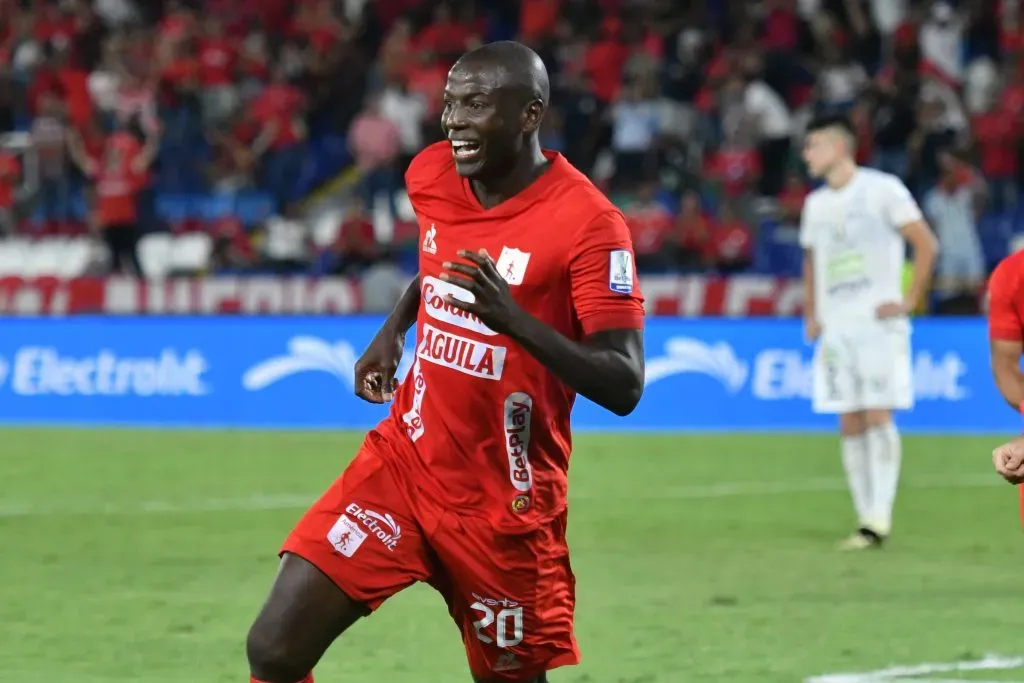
[[274, 372]]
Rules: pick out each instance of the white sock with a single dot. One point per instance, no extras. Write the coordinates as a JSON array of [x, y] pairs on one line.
[[884, 456], [858, 475]]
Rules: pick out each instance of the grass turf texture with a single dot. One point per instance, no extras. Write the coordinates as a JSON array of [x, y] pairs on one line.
[[143, 556]]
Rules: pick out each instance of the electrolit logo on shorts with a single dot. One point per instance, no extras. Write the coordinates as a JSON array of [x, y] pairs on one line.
[[434, 293], [44, 371], [383, 526], [518, 410], [459, 353], [776, 374], [346, 536]]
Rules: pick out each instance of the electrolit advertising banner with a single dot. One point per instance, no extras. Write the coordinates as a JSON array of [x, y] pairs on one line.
[[293, 372]]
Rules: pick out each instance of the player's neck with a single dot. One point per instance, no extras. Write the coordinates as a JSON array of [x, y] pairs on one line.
[[840, 176], [530, 165]]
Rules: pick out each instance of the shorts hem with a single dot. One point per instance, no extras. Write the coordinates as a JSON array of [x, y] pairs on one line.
[[346, 587]]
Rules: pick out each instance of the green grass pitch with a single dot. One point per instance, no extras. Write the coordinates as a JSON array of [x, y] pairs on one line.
[[142, 557]]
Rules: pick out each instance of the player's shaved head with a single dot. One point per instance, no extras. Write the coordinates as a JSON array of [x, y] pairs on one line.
[[508, 65], [495, 100]]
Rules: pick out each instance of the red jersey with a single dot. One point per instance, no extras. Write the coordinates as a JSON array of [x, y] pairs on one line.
[[1006, 299], [479, 424]]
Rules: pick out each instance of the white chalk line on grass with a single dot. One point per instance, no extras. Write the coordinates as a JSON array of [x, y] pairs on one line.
[[926, 673], [290, 501]]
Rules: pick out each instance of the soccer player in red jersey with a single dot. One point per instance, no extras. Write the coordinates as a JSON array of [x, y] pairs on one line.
[[526, 296], [1006, 335]]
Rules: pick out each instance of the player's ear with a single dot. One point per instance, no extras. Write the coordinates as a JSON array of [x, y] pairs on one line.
[[532, 116]]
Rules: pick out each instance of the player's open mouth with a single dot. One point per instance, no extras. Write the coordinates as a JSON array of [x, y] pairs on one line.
[[464, 150]]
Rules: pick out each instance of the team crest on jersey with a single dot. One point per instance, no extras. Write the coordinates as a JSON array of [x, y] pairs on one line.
[[620, 271], [511, 265]]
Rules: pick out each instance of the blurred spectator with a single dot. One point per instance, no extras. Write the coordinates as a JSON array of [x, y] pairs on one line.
[[952, 208], [634, 134], [692, 233], [355, 249], [258, 104], [10, 179], [730, 248], [118, 175], [49, 135], [375, 142], [650, 224]]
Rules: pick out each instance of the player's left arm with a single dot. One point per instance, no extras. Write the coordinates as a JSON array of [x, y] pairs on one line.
[[607, 366], [903, 212]]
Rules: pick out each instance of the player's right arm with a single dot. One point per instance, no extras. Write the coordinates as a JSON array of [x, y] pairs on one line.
[[375, 370], [1006, 334], [812, 328]]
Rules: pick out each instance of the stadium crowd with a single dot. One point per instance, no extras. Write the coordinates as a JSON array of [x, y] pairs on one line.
[[221, 117]]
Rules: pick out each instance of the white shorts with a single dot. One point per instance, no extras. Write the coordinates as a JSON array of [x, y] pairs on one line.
[[868, 367]]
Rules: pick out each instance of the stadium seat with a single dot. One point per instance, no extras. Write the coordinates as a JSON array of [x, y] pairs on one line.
[[78, 256], [215, 206], [190, 252], [44, 257], [326, 228], [12, 256], [155, 254], [253, 208], [174, 208]]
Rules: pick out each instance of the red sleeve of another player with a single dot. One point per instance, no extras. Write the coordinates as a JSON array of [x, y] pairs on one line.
[[602, 270], [1004, 322]]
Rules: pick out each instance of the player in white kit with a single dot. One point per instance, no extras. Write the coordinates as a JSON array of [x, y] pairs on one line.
[[853, 231]]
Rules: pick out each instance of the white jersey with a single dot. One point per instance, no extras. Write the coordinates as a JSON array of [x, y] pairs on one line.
[[858, 251]]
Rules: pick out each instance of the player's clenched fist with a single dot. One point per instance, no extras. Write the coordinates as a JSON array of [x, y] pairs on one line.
[[1009, 461], [375, 370], [492, 299]]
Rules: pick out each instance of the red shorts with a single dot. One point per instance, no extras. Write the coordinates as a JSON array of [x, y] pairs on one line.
[[511, 595]]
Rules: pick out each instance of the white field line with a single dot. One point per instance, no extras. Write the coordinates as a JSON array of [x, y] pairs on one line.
[[291, 501], [926, 673]]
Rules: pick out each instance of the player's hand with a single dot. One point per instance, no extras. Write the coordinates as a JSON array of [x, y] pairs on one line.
[[812, 329], [1009, 461], [492, 299], [892, 310], [375, 370]]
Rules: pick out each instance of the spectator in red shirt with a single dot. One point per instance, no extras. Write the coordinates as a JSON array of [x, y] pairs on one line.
[[218, 59], [119, 176], [735, 168], [355, 249], [10, 178], [997, 133], [692, 231], [282, 141], [650, 224], [730, 248], [791, 201]]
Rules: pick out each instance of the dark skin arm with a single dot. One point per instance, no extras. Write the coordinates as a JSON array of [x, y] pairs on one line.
[[607, 367], [375, 370]]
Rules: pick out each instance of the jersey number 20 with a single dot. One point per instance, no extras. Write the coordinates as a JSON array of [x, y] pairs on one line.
[[503, 620]]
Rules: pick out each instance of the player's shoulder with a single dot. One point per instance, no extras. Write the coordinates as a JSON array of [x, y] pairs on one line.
[[880, 180], [576, 201], [432, 165], [1008, 273]]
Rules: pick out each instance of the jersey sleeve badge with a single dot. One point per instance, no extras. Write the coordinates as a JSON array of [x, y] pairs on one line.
[[620, 271]]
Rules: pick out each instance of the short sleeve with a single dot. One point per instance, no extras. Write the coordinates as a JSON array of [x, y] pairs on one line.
[[603, 278], [899, 206], [806, 229], [1004, 322]]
